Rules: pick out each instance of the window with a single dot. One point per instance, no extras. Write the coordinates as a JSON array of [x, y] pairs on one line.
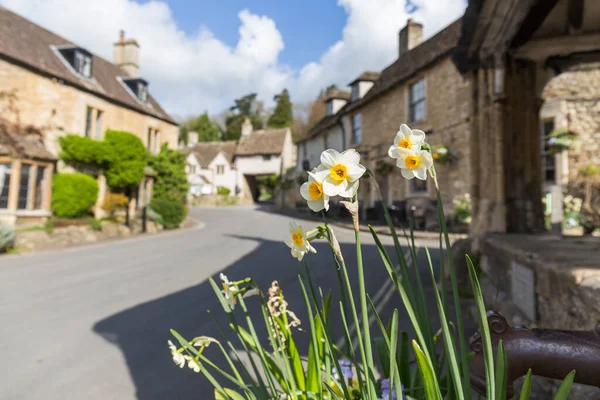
[[548, 159], [267, 157], [330, 107], [98, 125], [156, 142], [142, 91], [149, 139], [5, 170], [40, 189], [417, 186], [220, 169], [356, 129], [355, 92], [137, 86], [83, 64], [417, 101], [88, 121], [23, 187], [306, 165]]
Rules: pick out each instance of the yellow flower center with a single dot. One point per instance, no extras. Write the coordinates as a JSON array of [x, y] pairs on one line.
[[224, 286], [297, 238], [339, 172], [315, 190], [405, 143], [412, 162]]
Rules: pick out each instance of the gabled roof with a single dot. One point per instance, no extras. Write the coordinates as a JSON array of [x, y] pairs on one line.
[[324, 123], [369, 76], [337, 94], [411, 63], [207, 151], [24, 43], [23, 142], [269, 141]]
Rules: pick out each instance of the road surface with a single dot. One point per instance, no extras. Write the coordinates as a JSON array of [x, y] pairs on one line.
[[93, 322]]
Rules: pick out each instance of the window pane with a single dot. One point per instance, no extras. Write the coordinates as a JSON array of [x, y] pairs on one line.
[[357, 128], [24, 187], [156, 141], [329, 107], [149, 139], [78, 62], [4, 184], [99, 125], [88, 122], [86, 69], [40, 189], [418, 186]]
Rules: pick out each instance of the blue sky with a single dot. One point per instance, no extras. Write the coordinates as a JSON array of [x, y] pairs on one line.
[[201, 55], [308, 27]]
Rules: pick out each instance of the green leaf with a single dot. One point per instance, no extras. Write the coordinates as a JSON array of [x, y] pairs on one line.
[[394, 373], [501, 372], [383, 350], [293, 355], [526, 389], [230, 393], [565, 387], [404, 364], [219, 295], [432, 390], [484, 330]]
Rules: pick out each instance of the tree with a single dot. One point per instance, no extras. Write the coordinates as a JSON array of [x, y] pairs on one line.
[[128, 157], [207, 129], [171, 181], [245, 107], [282, 116]]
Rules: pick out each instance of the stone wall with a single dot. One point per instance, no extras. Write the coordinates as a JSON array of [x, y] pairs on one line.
[[60, 109], [446, 122]]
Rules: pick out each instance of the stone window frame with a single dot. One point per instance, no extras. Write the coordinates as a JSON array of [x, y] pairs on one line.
[[356, 128], [93, 121], [220, 169], [57, 50], [543, 153], [15, 182], [409, 102]]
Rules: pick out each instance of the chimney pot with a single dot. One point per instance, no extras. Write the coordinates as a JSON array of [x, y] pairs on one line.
[[126, 55], [246, 127], [121, 36], [410, 36]]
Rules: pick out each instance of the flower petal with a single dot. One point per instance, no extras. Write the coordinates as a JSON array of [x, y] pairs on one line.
[[329, 158], [351, 190], [333, 188], [223, 277], [350, 157], [407, 173], [420, 173], [399, 136], [355, 171], [417, 136], [316, 205], [304, 191], [406, 131], [321, 174], [312, 176], [289, 243], [393, 152], [426, 159]]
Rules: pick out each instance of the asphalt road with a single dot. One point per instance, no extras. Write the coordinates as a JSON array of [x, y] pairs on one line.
[[93, 322]]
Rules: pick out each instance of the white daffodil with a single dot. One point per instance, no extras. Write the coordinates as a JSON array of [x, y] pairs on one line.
[[193, 364], [229, 290], [204, 341], [413, 163], [178, 358], [408, 139], [298, 241], [339, 173], [312, 191]]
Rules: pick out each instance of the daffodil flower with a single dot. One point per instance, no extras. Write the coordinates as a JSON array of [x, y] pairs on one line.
[[340, 173], [178, 358], [312, 192], [231, 290], [407, 139], [193, 364], [298, 241], [204, 341], [413, 163]]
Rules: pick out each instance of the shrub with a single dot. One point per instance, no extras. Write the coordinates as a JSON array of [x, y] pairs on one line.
[[223, 191], [73, 194], [83, 150], [128, 158], [171, 179], [463, 210], [172, 212], [95, 224], [7, 236], [114, 202]]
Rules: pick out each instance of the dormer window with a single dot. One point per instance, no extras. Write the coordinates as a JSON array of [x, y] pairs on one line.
[[138, 87], [355, 92], [79, 59], [330, 107]]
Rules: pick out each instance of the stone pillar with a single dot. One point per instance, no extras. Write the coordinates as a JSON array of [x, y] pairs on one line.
[[15, 181], [49, 174]]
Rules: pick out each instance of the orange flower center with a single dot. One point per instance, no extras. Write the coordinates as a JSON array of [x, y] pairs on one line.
[[405, 143], [412, 162], [339, 172], [315, 190], [297, 238]]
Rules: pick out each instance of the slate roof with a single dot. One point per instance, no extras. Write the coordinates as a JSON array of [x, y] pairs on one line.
[[23, 142], [412, 62], [24, 43], [262, 141], [369, 76], [205, 152], [323, 124], [337, 94]]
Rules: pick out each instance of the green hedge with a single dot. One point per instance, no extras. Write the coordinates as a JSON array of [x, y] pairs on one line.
[[173, 212], [73, 194], [84, 150], [223, 191], [128, 157]]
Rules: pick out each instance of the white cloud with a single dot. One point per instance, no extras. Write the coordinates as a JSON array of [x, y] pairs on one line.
[[189, 73]]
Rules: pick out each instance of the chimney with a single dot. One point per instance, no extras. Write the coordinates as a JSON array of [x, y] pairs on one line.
[[246, 127], [126, 55], [409, 37], [192, 139]]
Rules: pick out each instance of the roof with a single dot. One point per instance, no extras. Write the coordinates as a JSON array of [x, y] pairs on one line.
[[23, 142], [337, 94], [31, 46], [323, 124], [411, 62], [205, 152], [369, 76], [262, 141]]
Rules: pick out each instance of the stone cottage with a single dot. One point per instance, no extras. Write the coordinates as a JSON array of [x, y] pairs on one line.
[[61, 88]]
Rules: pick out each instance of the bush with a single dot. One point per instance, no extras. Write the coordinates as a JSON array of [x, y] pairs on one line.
[[171, 179], [172, 212], [128, 158], [83, 150], [73, 195], [114, 202], [95, 224], [223, 191], [7, 236]]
